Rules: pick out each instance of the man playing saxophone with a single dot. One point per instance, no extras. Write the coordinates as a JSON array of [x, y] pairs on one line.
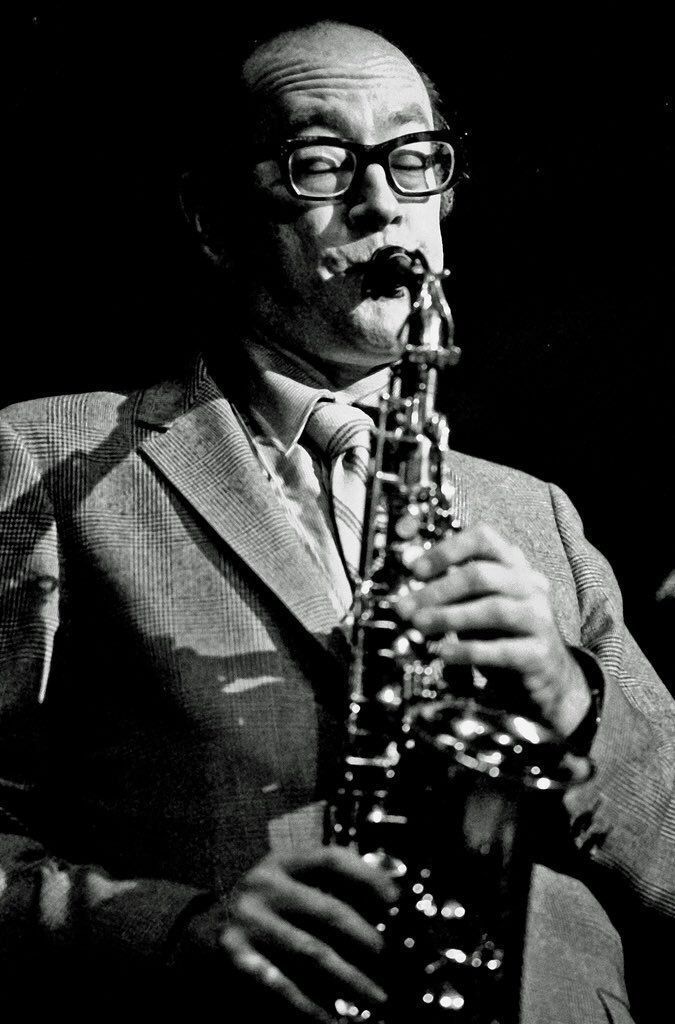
[[163, 814]]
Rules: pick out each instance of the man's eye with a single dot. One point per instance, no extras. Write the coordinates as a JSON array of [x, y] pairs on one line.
[[321, 171], [318, 163], [410, 160], [316, 166]]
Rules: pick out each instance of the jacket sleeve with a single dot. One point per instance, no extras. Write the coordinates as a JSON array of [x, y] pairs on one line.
[[623, 819], [45, 903]]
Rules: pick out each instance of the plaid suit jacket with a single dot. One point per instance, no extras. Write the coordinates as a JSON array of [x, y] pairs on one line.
[[172, 681]]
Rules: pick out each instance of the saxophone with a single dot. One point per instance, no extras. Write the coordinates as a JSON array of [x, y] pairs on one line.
[[438, 785]]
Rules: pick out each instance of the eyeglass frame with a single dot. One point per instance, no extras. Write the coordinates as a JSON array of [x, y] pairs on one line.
[[376, 154]]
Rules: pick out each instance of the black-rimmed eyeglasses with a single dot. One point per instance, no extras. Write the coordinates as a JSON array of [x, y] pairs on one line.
[[319, 167]]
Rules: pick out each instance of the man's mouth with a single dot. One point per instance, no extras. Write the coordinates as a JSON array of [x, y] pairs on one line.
[[338, 262], [338, 265], [388, 274], [369, 292]]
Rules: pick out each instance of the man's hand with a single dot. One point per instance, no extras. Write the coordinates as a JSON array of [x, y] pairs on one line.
[[300, 931], [493, 607]]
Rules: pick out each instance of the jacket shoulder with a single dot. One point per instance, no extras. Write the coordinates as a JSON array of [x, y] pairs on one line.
[[94, 407], [57, 425], [495, 475], [54, 427]]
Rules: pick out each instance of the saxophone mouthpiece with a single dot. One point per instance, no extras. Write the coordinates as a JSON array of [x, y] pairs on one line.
[[388, 270]]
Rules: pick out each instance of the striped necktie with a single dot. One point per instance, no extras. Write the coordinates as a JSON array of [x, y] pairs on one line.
[[342, 434]]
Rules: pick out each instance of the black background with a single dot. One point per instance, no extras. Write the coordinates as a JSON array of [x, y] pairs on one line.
[[562, 243]]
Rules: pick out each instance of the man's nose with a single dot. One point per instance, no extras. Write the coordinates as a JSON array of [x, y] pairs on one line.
[[374, 205]]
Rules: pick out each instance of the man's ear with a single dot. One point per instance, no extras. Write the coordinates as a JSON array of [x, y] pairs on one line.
[[201, 216]]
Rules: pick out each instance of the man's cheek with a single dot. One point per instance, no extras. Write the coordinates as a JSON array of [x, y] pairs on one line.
[[433, 248], [302, 245], [428, 231], [275, 205]]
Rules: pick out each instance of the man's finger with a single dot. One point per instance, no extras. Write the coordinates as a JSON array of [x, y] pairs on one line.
[[502, 615], [474, 579], [305, 955], [521, 654], [324, 915], [345, 875], [479, 542], [260, 972]]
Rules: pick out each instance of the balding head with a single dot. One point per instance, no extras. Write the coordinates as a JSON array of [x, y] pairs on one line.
[[355, 48], [302, 59]]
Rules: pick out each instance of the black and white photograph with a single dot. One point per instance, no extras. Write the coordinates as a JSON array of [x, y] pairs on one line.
[[337, 559]]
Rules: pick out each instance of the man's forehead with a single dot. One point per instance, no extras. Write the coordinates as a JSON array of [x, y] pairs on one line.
[[336, 78], [324, 43]]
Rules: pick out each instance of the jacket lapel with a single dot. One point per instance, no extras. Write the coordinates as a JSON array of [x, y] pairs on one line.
[[205, 454], [200, 447]]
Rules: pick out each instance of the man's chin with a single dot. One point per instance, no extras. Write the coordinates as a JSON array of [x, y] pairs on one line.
[[379, 325]]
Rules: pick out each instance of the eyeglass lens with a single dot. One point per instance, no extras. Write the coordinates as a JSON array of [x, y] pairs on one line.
[[326, 171]]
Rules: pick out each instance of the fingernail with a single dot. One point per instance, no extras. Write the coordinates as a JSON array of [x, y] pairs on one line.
[[405, 607], [422, 566]]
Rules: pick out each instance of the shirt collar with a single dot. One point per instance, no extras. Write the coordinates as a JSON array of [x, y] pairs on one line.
[[283, 389]]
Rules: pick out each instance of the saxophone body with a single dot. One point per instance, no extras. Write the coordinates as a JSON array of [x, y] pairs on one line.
[[438, 785]]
